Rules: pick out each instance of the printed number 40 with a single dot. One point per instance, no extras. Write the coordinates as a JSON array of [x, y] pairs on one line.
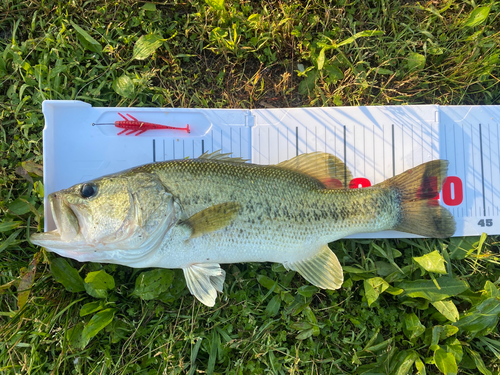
[[487, 222]]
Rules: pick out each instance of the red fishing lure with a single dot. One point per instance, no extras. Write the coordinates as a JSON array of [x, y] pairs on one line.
[[132, 126]]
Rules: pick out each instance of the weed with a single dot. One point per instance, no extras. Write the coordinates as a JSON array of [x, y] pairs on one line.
[[407, 306]]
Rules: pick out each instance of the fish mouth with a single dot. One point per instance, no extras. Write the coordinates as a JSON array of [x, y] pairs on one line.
[[67, 240], [68, 228]]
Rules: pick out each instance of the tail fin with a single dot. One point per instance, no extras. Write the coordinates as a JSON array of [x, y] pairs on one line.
[[421, 214]]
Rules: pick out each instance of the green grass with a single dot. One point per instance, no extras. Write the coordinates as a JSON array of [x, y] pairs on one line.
[[241, 55]]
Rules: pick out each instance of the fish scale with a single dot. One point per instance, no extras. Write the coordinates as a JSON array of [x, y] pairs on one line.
[[270, 196]]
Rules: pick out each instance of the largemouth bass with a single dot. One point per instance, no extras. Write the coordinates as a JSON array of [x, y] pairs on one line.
[[196, 214]]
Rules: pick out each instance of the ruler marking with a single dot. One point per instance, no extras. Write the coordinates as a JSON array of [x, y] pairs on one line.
[[422, 140], [296, 141], [353, 150], [231, 140], [373, 161], [419, 132], [466, 171], [354, 159], [456, 158], [475, 171], [306, 140], [258, 141], [393, 154], [446, 158], [431, 144], [373, 141], [498, 131], [345, 157], [473, 212], [413, 146], [154, 151], [492, 163], [334, 138], [445, 144], [364, 153], [269, 145], [316, 138], [268, 153], [334, 135], [491, 130], [278, 143], [383, 151], [373, 147], [482, 168], [289, 143], [491, 174]]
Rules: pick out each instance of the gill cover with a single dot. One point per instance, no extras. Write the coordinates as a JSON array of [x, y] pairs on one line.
[[119, 208]]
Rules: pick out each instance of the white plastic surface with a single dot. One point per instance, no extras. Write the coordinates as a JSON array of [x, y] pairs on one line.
[[375, 142]]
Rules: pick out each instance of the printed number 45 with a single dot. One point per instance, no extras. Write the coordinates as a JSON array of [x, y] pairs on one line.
[[487, 222]]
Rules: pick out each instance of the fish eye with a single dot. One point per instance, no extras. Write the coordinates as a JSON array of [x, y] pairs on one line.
[[88, 190]]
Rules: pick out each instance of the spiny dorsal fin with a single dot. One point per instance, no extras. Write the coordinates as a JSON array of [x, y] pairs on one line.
[[322, 269], [328, 169], [211, 219], [218, 155]]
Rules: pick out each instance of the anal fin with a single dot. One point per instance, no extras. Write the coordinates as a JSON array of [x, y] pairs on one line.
[[204, 280], [322, 269]]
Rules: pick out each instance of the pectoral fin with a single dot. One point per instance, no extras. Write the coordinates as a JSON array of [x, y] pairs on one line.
[[204, 280], [322, 269], [211, 219]]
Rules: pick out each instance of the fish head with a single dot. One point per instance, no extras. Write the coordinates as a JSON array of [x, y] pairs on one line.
[[110, 219]]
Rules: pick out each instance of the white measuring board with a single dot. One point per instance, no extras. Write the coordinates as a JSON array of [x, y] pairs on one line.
[[375, 142]]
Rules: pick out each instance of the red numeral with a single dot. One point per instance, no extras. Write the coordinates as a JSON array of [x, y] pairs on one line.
[[359, 182], [458, 191], [453, 189]]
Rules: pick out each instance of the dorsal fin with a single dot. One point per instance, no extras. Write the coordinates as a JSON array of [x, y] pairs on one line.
[[218, 155], [328, 169]]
